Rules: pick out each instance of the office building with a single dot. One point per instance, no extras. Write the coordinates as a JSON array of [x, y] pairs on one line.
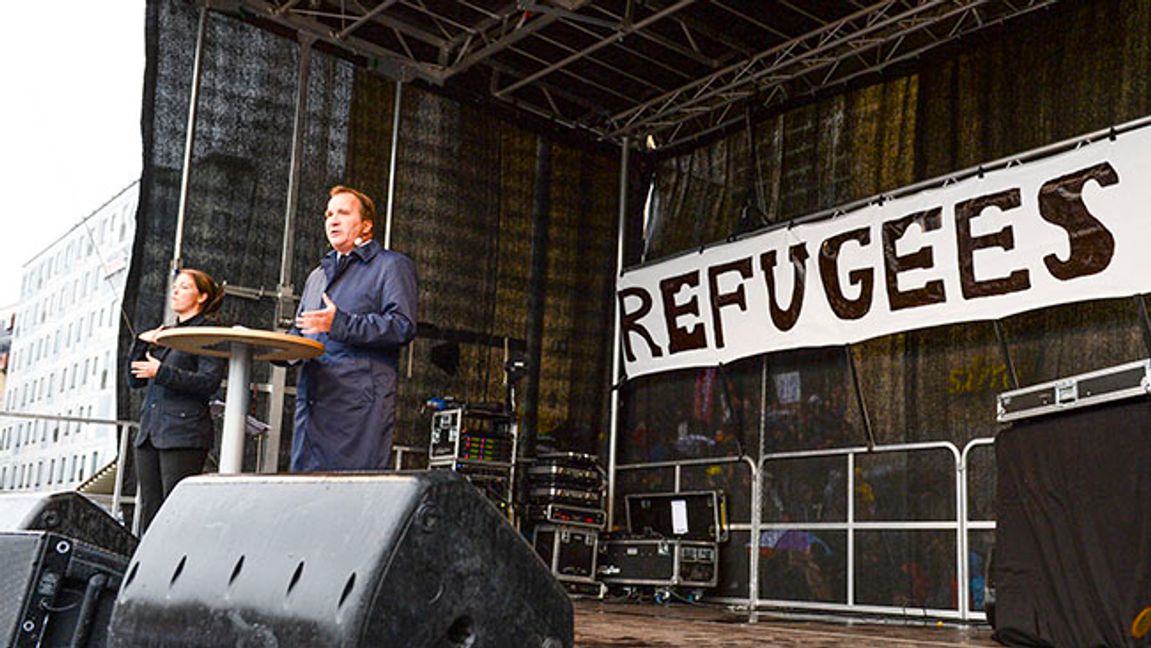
[[62, 360]]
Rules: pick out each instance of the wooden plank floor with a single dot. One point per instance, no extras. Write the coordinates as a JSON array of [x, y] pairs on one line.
[[601, 624]]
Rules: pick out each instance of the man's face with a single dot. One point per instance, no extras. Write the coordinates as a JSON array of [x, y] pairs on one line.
[[343, 222]]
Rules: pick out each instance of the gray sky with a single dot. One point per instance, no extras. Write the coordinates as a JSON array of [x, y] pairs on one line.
[[71, 74]]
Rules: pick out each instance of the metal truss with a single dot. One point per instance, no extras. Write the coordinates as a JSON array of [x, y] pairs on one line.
[[866, 42], [614, 69]]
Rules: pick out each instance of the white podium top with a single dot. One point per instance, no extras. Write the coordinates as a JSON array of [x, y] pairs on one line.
[[217, 341]]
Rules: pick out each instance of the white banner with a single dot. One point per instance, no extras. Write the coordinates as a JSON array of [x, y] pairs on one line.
[[1067, 228]]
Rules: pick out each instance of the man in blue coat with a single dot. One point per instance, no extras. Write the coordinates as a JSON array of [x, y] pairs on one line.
[[361, 303]]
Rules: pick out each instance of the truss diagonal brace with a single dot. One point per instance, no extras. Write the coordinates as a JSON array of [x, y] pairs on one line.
[[593, 48]]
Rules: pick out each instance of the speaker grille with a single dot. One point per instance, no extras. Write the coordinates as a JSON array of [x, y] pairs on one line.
[[417, 559], [19, 555]]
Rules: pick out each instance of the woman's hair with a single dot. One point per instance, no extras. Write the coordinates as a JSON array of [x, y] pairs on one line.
[[205, 284]]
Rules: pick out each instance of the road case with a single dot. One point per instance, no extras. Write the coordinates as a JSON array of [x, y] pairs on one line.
[[571, 552], [1111, 384], [694, 515], [661, 563]]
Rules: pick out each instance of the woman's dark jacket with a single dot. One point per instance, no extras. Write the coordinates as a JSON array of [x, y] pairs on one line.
[[175, 411]]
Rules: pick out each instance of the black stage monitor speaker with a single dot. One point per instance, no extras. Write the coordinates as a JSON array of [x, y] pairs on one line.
[[55, 591], [69, 514], [392, 559]]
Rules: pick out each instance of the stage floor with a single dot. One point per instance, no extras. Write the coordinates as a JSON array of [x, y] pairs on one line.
[[600, 624]]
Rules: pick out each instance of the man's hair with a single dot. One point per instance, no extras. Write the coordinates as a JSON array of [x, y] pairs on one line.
[[367, 206]]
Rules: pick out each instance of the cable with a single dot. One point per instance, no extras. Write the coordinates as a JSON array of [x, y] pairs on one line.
[[103, 267]]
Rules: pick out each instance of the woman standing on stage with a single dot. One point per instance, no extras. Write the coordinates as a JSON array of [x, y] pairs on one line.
[[175, 428]]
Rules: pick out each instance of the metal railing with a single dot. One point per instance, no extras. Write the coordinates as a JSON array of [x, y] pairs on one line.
[[967, 523], [124, 431], [957, 524], [400, 451]]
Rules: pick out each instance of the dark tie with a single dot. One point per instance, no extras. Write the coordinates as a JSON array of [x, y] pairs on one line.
[[342, 264]]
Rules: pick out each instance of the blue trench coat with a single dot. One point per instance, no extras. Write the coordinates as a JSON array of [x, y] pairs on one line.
[[346, 398]]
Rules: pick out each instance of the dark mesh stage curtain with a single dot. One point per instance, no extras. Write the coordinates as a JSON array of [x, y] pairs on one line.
[[463, 213], [1076, 68], [1070, 72], [237, 196]]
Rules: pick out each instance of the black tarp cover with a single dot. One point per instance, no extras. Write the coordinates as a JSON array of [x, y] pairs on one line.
[[1073, 542]]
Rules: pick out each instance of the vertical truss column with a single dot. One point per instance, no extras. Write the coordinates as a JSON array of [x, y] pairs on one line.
[[186, 173], [269, 460], [617, 385], [389, 210]]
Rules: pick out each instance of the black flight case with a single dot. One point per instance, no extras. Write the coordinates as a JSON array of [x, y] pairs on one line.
[[672, 541]]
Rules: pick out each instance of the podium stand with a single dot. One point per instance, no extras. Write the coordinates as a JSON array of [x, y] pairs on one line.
[[240, 346]]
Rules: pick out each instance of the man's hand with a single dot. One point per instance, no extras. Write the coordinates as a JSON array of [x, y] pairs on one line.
[[317, 321], [146, 368]]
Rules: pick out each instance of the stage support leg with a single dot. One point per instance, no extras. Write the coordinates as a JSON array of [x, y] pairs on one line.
[[757, 498], [235, 410], [186, 173], [269, 459], [617, 385], [388, 211], [537, 293]]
